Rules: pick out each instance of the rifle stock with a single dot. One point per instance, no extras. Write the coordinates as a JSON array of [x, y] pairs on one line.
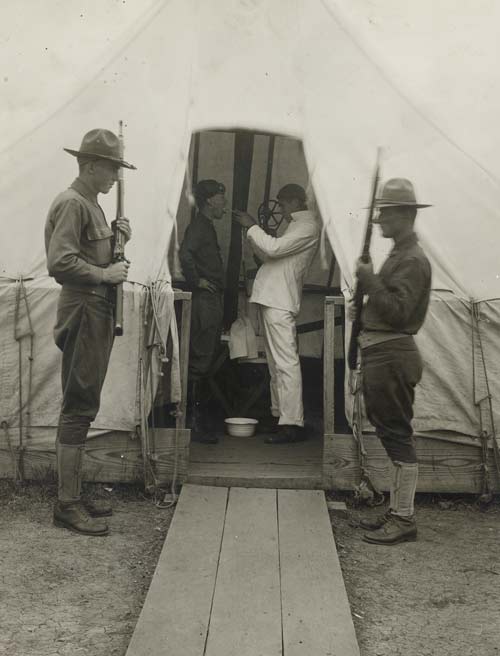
[[119, 242], [352, 353]]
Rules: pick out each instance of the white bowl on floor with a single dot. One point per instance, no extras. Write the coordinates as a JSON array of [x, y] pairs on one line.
[[241, 426]]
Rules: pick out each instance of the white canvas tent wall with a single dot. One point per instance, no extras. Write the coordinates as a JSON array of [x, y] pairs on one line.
[[345, 77]]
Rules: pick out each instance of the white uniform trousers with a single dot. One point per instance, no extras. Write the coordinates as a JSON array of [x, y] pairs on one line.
[[280, 340]]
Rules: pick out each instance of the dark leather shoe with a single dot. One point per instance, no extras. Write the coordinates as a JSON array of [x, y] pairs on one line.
[[396, 529], [287, 434], [97, 507], [375, 523], [269, 424], [75, 518]]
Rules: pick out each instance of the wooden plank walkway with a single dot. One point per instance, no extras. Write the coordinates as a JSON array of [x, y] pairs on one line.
[[252, 572]]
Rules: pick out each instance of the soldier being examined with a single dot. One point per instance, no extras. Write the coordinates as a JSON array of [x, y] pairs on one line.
[[204, 272]]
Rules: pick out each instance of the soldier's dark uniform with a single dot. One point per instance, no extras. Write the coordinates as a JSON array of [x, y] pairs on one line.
[[398, 298], [201, 258], [395, 310], [78, 243], [204, 273]]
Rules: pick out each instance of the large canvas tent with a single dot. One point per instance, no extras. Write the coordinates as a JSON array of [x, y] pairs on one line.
[[343, 77]]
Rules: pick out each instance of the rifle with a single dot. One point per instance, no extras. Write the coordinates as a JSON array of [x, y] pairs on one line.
[[352, 353], [119, 242]]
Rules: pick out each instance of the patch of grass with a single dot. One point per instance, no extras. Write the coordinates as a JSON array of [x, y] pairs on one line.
[[43, 489], [24, 495], [442, 501]]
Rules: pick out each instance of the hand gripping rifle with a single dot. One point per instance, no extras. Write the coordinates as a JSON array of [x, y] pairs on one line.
[[119, 239], [352, 354]]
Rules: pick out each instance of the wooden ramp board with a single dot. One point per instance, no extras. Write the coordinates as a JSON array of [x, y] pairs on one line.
[[259, 576], [175, 616], [316, 614], [246, 615]]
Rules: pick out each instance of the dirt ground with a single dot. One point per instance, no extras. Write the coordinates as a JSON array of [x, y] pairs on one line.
[[438, 596], [63, 594]]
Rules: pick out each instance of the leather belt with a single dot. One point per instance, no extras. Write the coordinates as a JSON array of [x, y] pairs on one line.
[[104, 291]]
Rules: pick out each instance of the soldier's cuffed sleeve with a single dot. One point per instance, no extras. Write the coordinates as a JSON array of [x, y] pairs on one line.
[[268, 248]]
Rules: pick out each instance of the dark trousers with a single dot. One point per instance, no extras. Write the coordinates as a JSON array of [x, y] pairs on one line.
[[391, 371], [84, 333], [207, 311]]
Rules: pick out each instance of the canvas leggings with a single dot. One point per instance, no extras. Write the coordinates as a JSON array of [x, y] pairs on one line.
[[391, 370], [84, 332]]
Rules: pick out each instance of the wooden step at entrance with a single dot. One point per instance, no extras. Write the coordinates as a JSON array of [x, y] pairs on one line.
[[249, 462], [252, 572]]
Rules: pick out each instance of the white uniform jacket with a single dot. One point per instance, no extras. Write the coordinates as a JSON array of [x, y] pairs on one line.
[[286, 259]]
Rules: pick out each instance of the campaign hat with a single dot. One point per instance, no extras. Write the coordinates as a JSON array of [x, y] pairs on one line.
[[101, 144], [398, 192]]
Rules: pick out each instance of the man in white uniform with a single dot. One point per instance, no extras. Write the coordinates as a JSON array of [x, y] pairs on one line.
[[278, 290]]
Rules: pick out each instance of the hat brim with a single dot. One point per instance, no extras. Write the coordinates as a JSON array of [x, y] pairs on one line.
[[381, 204], [121, 162]]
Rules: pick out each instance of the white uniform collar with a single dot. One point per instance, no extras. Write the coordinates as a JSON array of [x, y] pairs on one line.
[[303, 214]]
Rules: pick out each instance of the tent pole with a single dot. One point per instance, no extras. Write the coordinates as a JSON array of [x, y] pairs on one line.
[[196, 161], [270, 158], [243, 153]]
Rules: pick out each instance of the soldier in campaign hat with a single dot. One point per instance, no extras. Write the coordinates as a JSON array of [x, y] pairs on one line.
[[398, 298], [78, 243], [203, 270]]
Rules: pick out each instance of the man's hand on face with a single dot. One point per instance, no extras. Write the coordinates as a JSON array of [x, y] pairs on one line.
[[123, 225], [206, 284], [243, 218]]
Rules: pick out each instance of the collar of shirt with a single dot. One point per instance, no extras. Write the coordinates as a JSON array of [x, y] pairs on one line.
[[303, 214], [83, 189], [205, 220], [406, 243]]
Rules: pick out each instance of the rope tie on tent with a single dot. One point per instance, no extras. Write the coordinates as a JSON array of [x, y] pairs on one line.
[[483, 401], [19, 335], [366, 491], [151, 319], [156, 343], [15, 463], [161, 345]]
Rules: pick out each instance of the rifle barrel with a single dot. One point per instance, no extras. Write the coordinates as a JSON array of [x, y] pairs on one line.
[[352, 353], [119, 245]]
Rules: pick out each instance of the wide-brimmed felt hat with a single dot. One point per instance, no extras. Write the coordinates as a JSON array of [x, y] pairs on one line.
[[101, 144], [398, 192]]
